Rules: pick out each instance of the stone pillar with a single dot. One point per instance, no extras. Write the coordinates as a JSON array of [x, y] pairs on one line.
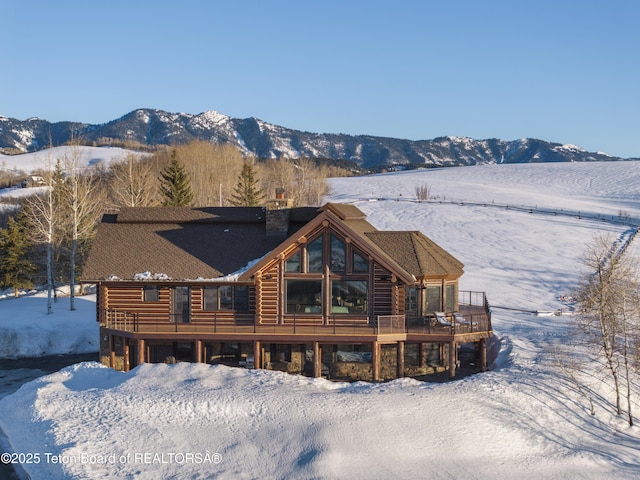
[[483, 355], [452, 360], [422, 355]]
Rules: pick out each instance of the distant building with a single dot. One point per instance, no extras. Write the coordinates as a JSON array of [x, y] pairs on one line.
[[33, 181], [314, 291]]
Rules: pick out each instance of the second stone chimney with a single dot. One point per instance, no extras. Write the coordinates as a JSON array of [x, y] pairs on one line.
[[278, 212]]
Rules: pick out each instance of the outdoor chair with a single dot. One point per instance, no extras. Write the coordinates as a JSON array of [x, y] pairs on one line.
[[460, 320], [441, 320]]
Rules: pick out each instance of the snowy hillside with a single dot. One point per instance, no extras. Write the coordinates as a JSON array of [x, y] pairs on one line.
[[89, 156], [520, 231], [254, 137]]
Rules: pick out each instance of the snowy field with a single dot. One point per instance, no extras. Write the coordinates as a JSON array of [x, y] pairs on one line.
[[88, 156], [523, 419]]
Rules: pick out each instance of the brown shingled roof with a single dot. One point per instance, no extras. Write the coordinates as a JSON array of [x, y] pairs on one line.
[[344, 211], [417, 254], [192, 243], [182, 243]]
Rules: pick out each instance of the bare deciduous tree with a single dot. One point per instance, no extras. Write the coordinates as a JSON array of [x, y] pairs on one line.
[[304, 181], [81, 196], [133, 183], [609, 298], [43, 215], [423, 192]]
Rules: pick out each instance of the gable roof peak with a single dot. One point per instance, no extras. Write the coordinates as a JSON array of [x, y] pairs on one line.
[[344, 211]]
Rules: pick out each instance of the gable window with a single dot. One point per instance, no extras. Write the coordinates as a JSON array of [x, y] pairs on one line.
[[225, 297], [349, 296], [327, 275], [151, 293], [359, 263], [292, 265], [314, 256], [338, 255], [304, 296]]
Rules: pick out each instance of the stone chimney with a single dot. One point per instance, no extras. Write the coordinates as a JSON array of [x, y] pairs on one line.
[[278, 212]]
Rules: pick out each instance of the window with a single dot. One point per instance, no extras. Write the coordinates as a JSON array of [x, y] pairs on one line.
[[181, 300], [450, 297], [360, 263], [349, 296], [338, 255], [225, 297], [314, 256], [210, 298], [433, 298], [292, 265], [241, 298], [151, 293], [411, 301], [304, 296]]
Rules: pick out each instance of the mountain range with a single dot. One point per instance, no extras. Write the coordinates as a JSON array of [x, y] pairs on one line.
[[150, 127]]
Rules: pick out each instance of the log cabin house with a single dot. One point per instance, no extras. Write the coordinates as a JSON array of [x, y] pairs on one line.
[[313, 291]]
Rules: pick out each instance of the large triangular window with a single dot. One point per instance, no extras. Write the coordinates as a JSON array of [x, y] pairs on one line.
[[338, 255], [315, 263]]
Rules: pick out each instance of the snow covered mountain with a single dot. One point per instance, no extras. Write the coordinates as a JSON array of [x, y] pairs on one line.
[[256, 137]]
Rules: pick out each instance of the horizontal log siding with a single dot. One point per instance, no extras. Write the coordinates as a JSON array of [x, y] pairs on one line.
[[382, 291], [400, 306], [220, 317], [270, 297], [130, 299]]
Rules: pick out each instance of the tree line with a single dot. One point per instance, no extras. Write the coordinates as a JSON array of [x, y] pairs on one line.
[[47, 239]]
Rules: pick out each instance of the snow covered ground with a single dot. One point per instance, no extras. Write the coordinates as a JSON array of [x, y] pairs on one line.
[[26, 330], [523, 419], [89, 156]]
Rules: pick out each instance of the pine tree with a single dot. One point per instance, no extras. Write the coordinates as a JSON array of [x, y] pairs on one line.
[[15, 267], [175, 184], [247, 192]]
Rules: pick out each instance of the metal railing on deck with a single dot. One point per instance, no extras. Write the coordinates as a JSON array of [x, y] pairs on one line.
[[473, 316]]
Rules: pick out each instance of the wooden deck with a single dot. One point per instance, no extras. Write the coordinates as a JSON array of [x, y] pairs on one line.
[[476, 326]]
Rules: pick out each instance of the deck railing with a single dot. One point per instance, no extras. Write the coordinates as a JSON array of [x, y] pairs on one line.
[[473, 316]]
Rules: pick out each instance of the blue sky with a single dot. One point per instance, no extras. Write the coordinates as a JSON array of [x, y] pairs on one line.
[[565, 71]]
